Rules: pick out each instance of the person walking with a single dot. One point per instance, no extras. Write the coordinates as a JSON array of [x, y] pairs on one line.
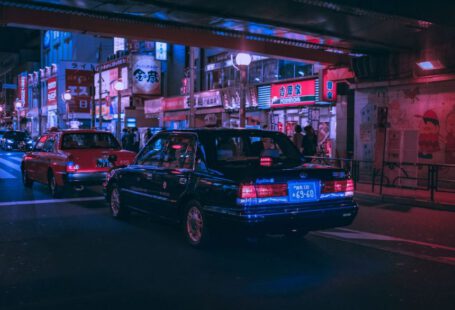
[[298, 137], [136, 140], [124, 138], [309, 142], [147, 135]]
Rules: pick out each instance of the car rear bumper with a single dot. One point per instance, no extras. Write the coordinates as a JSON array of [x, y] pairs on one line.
[[284, 218], [85, 178]]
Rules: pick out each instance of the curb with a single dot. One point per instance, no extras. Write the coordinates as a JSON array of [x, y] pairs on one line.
[[413, 202]]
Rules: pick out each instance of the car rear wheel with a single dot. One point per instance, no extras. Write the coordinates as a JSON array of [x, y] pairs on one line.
[[195, 225], [25, 179], [118, 210], [55, 190]]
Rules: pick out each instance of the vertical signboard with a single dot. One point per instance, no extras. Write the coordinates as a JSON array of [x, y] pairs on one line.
[[52, 91], [78, 82], [22, 89], [329, 89], [146, 75]]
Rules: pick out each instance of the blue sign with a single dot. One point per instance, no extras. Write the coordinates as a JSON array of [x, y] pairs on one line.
[[47, 39]]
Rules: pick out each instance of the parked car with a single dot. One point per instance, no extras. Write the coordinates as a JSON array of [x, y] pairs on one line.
[[73, 158], [236, 180], [14, 140]]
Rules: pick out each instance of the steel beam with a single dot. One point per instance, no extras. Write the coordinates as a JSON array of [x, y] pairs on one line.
[[124, 26]]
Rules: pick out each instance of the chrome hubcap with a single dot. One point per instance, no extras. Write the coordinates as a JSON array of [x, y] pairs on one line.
[[194, 224], [115, 202]]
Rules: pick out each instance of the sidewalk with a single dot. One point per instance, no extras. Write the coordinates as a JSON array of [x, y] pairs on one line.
[[421, 198]]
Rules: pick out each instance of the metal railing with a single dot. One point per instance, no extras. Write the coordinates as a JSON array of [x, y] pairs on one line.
[[406, 175]]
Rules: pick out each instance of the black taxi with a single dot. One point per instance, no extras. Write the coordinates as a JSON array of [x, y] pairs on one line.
[[237, 180]]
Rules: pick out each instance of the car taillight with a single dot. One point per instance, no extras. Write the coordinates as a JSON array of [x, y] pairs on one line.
[[263, 190], [71, 167], [338, 186], [266, 161]]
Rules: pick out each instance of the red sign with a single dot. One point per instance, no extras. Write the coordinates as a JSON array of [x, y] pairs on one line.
[[78, 82], [175, 103], [52, 91], [293, 93], [329, 88], [22, 90]]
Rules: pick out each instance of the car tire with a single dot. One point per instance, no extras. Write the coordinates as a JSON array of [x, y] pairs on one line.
[[26, 180], [55, 190], [118, 210], [195, 225]]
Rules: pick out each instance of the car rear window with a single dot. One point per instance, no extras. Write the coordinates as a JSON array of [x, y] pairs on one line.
[[246, 148], [88, 140]]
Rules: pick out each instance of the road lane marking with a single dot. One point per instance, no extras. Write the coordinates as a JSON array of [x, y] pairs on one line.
[[360, 237], [44, 201], [16, 159], [372, 236], [10, 164], [6, 175]]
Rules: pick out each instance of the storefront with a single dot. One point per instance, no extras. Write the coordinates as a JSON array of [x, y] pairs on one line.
[[299, 103], [209, 109], [175, 112]]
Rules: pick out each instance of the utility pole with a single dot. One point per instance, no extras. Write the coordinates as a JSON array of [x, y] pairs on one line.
[[100, 91], [191, 122]]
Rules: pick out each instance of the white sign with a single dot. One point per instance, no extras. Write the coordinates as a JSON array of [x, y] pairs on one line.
[[160, 51], [119, 44]]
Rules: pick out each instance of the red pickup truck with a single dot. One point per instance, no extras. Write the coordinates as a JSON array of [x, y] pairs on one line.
[[73, 159]]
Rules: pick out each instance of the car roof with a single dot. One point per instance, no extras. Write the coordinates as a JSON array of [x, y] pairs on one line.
[[208, 131], [80, 131]]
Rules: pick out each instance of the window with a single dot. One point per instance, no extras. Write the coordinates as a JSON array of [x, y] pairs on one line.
[[39, 145], [88, 140], [225, 149], [179, 152], [152, 153], [49, 145]]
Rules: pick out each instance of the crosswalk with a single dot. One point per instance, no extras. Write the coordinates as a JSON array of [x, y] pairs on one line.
[[10, 165]]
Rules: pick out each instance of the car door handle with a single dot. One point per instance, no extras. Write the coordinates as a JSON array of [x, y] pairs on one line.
[[148, 176]]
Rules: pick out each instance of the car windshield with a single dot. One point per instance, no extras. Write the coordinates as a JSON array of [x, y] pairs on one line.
[[246, 148], [89, 140], [16, 135]]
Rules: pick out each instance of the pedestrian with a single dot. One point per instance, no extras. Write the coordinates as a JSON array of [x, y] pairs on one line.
[[124, 138], [136, 140], [309, 142], [147, 135], [298, 137]]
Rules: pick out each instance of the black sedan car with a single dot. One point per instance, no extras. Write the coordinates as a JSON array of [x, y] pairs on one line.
[[236, 180], [16, 141]]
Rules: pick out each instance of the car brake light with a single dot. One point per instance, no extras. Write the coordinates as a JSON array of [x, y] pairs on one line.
[[338, 186], [71, 167], [266, 161], [263, 190]]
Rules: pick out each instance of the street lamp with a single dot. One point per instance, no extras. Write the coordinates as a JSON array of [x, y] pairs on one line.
[[118, 86], [66, 96], [243, 60], [18, 105]]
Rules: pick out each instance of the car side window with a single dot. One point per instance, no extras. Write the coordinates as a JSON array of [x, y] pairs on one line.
[[152, 153], [49, 145], [40, 144], [179, 152]]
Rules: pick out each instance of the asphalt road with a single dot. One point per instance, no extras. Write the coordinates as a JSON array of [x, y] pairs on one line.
[[70, 254]]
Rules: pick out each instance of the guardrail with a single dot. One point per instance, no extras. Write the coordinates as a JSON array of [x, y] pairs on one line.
[[406, 175]]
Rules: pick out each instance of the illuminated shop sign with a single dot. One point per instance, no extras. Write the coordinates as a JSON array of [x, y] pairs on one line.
[[22, 90], [230, 97], [146, 75], [298, 93], [329, 89], [160, 51], [207, 99], [175, 103], [52, 91], [78, 82]]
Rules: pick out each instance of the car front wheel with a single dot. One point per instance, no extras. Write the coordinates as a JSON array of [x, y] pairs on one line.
[[195, 225], [118, 210]]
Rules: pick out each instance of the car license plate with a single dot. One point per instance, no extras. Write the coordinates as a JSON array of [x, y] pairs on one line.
[[302, 191], [103, 163]]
